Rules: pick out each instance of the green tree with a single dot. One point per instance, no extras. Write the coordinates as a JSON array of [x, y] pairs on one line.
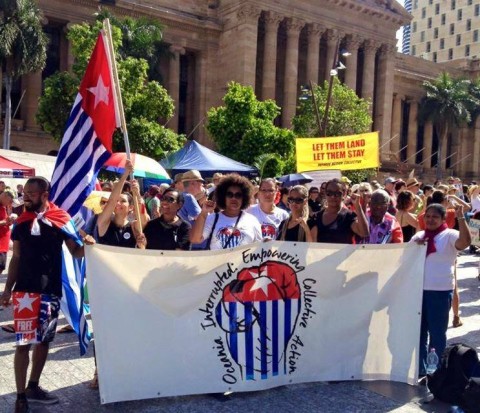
[[348, 115], [145, 102], [23, 46], [244, 128], [447, 104]]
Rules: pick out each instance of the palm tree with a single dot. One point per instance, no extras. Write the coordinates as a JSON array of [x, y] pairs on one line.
[[447, 104], [23, 47]]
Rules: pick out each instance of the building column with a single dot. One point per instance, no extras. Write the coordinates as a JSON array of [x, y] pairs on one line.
[[314, 33], [427, 144], [368, 79], [294, 26], [246, 41], [352, 44], [32, 83], [476, 148], [201, 96], [443, 162], [272, 20], [396, 124], [333, 43], [174, 83], [412, 131], [384, 94]]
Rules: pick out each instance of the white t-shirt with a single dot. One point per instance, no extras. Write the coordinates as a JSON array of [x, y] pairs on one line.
[[269, 222], [475, 204], [248, 231], [440, 265]]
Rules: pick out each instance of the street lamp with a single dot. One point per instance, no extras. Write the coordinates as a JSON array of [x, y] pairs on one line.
[[336, 66], [306, 93]]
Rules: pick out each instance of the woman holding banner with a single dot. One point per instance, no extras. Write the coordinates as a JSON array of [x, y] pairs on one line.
[[335, 223]]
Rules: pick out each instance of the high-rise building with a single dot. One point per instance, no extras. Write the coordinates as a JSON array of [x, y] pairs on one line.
[[443, 30], [407, 30]]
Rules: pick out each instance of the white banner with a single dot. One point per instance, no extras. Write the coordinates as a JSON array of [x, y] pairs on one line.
[[174, 323]]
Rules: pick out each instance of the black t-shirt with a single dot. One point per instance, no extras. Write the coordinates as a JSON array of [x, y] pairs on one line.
[[40, 265], [118, 236], [337, 232], [161, 235], [314, 206], [291, 234]]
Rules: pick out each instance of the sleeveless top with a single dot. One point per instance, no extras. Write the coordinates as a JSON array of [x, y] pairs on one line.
[[337, 232], [118, 236]]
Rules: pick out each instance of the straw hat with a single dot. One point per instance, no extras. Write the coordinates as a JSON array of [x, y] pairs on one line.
[[178, 178], [412, 182], [192, 175]]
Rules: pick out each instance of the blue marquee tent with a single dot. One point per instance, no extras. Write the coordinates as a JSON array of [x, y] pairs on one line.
[[196, 156]]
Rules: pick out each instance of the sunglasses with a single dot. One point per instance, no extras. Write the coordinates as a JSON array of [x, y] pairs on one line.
[[336, 194], [295, 200], [168, 199], [236, 195]]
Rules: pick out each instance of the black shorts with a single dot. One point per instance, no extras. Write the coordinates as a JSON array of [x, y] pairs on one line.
[[3, 260]]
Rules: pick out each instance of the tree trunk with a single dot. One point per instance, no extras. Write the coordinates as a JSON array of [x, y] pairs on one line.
[[8, 112]]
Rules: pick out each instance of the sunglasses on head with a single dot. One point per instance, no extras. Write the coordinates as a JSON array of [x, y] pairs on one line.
[[295, 200], [336, 194], [168, 199], [236, 195]]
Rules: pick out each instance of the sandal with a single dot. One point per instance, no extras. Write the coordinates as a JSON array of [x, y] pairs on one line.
[[94, 383], [457, 322], [9, 328], [66, 329]]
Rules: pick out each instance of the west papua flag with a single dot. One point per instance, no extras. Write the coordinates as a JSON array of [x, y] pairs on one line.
[[85, 147], [259, 312]]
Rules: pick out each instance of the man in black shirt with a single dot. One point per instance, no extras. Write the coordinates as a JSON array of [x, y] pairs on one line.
[[34, 284]]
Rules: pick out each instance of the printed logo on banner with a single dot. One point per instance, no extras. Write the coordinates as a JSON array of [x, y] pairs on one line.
[[260, 310]]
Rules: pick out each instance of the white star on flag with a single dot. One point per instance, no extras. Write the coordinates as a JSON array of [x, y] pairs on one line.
[[26, 302], [261, 282], [100, 91]]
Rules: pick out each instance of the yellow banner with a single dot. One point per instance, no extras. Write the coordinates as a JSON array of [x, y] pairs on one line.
[[341, 152]]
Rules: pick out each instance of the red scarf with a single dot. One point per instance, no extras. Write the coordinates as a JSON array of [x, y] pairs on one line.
[[58, 217], [430, 235]]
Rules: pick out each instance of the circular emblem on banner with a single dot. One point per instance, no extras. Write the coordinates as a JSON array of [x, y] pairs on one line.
[[126, 235]]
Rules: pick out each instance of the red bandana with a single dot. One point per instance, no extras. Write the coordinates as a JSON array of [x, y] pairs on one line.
[[430, 235]]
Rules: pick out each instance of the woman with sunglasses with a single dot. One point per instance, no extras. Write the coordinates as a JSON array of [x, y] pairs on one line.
[[335, 223], [114, 227], [295, 227], [232, 226], [168, 231]]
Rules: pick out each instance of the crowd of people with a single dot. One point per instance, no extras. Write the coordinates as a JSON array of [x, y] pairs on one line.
[[230, 211]]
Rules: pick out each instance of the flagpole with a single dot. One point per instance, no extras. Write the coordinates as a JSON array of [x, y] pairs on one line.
[[120, 111]]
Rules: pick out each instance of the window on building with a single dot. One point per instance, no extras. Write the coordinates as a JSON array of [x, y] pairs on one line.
[[437, 8], [452, 28], [476, 11], [450, 54], [415, 4], [442, 44], [458, 40], [443, 19], [459, 14], [453, 4], [414, 27], [422, 36], [429, 23], [475, 35], [435, 33], [469, 2], [414, 50], [467, 50], [429, 46], [430, 2], [424, 12], [469, 25], [434, 56]]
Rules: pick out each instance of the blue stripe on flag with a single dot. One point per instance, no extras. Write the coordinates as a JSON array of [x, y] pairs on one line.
[[287, 330], [218, 314], [249, 353], [275, 358], [263, 338], [232, 307]]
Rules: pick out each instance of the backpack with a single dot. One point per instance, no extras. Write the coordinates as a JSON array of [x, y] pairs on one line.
[[448, 382]]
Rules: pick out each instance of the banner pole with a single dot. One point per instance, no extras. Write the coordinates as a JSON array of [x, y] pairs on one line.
[[121, 112]]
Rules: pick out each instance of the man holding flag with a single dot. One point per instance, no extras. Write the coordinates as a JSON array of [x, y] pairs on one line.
[[34, 284]]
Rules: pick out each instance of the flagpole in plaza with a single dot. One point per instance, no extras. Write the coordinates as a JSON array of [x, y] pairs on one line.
[[119, 112]]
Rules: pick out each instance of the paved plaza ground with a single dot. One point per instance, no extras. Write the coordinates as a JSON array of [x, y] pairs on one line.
[[66, 375]]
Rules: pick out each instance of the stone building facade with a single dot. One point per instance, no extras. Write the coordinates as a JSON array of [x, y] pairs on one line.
[[276, 46]]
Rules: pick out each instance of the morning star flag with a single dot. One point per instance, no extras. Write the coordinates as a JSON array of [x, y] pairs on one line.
[[86, 145]]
